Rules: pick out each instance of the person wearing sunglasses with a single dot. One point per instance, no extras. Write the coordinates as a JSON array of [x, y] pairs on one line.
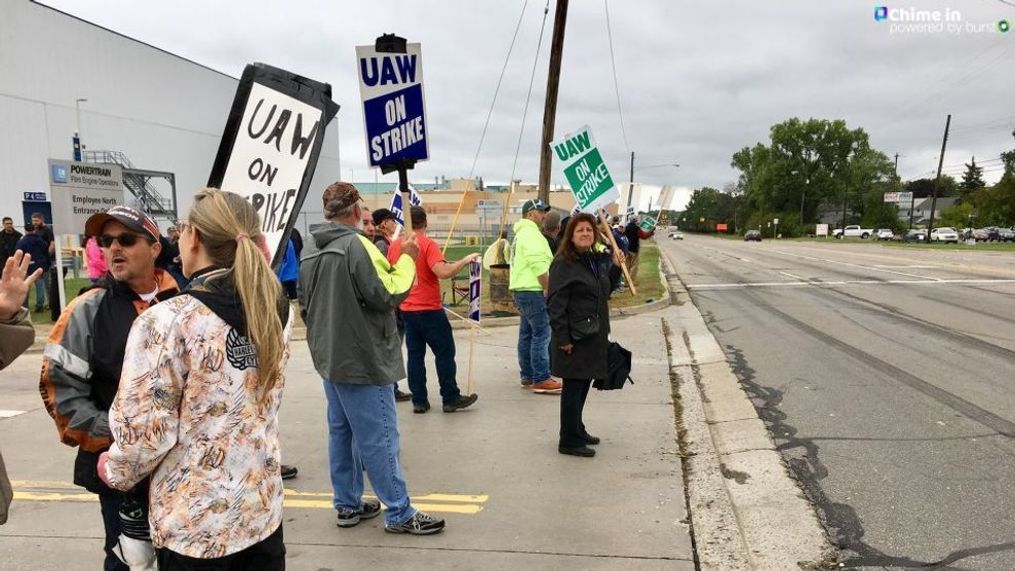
[[83, 357]]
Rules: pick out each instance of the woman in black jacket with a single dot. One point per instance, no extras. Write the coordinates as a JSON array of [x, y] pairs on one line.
[[580, 324]]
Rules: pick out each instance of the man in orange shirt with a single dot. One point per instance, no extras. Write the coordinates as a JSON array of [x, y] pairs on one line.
[[426, 323]]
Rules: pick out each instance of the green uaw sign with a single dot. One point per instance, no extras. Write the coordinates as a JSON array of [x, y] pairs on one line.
[[647, 223], [585, 170]]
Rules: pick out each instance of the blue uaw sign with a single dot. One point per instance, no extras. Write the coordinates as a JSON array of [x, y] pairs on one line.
[[475, 287], [391, 85]]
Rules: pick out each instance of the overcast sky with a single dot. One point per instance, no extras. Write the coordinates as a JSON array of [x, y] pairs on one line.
[[698, 80]]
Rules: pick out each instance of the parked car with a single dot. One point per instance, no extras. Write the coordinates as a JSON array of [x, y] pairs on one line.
[[884, 234], [914, 236], [676, 235], [1006, 234], [752, 236], [853, 231], [944, 234], [979, 234]]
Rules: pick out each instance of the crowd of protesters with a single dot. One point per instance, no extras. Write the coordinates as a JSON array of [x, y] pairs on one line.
[[175, 414]]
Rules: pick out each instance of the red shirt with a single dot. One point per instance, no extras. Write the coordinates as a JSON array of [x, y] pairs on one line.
[[426, 292]]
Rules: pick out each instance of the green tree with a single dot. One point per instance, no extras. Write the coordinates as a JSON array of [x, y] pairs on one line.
[[706, 207], [957, 216], [807, 164], [924, 187], [972, 181]]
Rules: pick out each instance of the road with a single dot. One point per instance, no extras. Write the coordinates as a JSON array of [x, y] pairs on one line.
[[885, 377]]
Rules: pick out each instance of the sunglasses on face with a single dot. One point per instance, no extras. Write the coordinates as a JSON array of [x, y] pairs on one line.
[[127, 239]]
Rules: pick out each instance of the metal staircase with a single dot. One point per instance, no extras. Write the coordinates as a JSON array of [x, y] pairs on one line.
[[139, 183]]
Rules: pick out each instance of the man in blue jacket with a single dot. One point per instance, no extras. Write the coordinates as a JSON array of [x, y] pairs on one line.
[[33, 244]]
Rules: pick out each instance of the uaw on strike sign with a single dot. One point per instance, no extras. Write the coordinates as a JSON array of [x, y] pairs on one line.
[[391, 85], [585, 170], [270, 146]]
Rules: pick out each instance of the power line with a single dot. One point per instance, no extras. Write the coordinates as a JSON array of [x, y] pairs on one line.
[[496, 91], [528, 97], [616, 84]]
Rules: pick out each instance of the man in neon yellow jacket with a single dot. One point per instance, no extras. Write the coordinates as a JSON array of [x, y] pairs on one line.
[[530, 267]]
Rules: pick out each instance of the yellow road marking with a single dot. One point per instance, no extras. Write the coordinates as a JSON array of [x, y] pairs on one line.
[[43, 491]]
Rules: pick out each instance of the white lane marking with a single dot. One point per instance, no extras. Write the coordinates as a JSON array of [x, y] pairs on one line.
[[906, 267], [850, 282], [793, 276], [861, 266], [11, 413]]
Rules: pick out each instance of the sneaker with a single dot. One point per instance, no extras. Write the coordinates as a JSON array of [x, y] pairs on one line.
[[526, 384], [368, 511], [289, 472], [462, 402], [418, 524], [582, 451], [402, 397], [547, 387], [420, 408]]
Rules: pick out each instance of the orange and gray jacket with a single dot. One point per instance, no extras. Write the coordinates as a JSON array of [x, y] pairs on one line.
[[81, 367]]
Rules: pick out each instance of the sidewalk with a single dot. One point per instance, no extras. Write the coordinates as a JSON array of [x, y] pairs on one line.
[[511, 501]]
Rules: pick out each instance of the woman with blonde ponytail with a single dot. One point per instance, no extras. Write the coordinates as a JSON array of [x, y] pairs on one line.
[[197, 408]]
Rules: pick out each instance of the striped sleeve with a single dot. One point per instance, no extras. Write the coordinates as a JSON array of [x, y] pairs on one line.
[[66, 380]]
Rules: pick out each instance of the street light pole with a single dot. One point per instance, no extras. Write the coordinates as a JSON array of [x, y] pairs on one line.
[[77, 108], [78, 147]]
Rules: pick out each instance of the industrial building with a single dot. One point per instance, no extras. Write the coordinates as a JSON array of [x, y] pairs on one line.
[[157, 115]]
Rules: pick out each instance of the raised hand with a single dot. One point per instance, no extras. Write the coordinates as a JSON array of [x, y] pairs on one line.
[[15, 283]]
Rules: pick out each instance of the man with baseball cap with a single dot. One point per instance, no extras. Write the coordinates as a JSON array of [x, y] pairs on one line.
[[84, 353], [530, 267], [386, 224]]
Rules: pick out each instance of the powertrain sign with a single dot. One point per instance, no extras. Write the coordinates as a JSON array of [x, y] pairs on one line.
[[391, 86], [585, 170]]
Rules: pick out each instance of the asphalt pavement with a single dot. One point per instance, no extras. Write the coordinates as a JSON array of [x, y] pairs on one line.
[[493, 471], [884, 376]]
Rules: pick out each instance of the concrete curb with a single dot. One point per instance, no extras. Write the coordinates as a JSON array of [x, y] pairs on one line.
[[747, 512]]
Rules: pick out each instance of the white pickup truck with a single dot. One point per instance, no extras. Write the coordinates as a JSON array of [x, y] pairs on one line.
[[854, 231]]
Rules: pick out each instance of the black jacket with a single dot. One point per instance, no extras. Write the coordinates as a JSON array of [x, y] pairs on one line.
[[81, 368], [8, 244], [579, 289]]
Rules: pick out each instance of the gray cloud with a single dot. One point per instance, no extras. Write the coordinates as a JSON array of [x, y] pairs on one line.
[[698, 80]]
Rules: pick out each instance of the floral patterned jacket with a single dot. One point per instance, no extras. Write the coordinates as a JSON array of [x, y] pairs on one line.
[[186, 413]]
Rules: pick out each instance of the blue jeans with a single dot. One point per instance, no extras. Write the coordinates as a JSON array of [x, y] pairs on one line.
[[41, 286], [533, 336], [363, 431], [430, 328]]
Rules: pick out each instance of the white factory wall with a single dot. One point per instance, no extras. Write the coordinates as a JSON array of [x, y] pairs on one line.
[[164, 112]]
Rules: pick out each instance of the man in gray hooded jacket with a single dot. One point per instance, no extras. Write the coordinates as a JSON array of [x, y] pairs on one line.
[[349, 293]]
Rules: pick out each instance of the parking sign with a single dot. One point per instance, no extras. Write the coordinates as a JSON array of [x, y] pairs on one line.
[[391, 86]]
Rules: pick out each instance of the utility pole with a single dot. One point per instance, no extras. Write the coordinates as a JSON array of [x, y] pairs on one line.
[[550, 109], [896, 165], [937, 181]]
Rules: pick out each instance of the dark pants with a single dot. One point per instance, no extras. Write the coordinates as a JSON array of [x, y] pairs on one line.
[[572, 402], [110, 506], [289, 286], [266, 555], [430, 328]]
